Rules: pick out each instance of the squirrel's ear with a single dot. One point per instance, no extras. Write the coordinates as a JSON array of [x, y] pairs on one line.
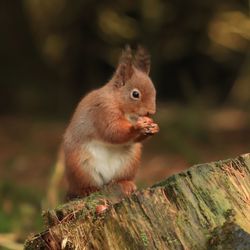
[[124, 70], [142, 60]]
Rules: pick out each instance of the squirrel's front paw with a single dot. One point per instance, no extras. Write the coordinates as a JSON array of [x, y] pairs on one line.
[[143, 122], [152, 129], [146, 126]]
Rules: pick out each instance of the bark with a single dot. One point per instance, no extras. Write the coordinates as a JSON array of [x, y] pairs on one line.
[[205, 207]]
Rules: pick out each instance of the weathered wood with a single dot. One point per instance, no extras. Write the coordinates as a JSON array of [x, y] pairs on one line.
[[190, 210]]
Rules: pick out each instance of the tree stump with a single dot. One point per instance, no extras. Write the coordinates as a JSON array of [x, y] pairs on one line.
[[205, 207]]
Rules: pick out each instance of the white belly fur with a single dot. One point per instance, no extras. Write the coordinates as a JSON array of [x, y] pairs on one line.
[[107, 160]]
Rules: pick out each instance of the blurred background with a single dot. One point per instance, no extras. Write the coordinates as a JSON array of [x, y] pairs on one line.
[[52, 52]]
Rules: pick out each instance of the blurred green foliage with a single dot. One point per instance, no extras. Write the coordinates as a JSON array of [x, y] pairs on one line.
[[20, 210], [53, 49]]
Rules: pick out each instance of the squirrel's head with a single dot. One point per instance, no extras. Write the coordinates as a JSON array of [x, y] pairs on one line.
[[131, 82]]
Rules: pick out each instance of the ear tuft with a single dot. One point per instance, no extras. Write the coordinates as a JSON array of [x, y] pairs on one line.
[[124, 70], [142, 60]]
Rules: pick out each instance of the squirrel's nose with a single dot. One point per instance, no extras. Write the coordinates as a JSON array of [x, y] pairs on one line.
[[150, 112]]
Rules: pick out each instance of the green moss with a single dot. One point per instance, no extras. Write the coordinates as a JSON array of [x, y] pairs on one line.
[[144, 239]]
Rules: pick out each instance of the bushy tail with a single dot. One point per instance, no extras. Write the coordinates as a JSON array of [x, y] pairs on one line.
[[53, 194]]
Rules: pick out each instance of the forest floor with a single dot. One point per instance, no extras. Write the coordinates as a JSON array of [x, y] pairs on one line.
[[29, 150]]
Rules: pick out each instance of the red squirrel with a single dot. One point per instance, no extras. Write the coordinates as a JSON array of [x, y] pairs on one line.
[[102, 143]]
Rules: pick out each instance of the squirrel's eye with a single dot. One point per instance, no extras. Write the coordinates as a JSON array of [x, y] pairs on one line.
[[135, 94]]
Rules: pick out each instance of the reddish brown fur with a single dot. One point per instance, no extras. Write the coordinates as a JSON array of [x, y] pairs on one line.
[[111, 120], [80, 182]]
